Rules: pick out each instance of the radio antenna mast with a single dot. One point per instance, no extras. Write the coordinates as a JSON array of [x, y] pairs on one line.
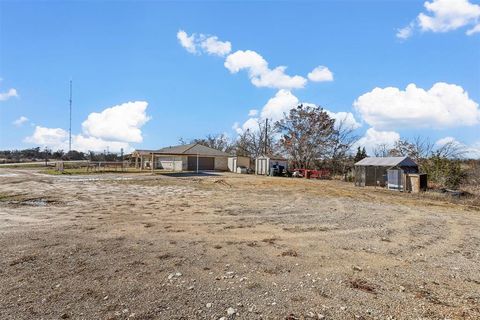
[[70, 122]]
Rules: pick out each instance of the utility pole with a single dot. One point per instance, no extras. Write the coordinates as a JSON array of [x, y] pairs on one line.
[[70, 122], [266, 138]]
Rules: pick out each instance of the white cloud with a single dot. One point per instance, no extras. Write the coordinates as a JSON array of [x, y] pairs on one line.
[[320, 73], [474, 30], [406, 32], [443, 105], [345, 118], [444, 16], [259, 72], [444, 141], [20, 121], [251, 124], [469, 152], [447, 15], [281, 103], [374, 138], [473, 151], [9, 94], [55, 138], [113, 128], [118, 123], [208, 44], [83, 143], [188, 42], [214, 46]]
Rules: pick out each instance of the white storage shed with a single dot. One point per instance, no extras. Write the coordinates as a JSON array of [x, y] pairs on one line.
[[265, 164]]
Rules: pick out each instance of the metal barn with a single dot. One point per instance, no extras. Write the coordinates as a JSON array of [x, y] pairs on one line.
[[382, 171]]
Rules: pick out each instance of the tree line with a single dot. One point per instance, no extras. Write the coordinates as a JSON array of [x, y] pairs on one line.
[[39, 154]]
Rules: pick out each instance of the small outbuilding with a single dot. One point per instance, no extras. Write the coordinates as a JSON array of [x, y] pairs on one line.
[[268, 165], [380, 171], [239, 164], [188, 157]]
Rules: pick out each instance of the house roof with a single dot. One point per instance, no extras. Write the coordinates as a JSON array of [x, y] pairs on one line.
[[188, 149], [387, 162]]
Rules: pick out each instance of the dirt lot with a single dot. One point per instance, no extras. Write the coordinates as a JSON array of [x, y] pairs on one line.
[[137, 246]]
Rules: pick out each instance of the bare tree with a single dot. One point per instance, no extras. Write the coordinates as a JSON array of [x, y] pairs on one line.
[[307, 133], [254, 142], [419, 148], [450, 150], [343, 139], [216, 141], [381, 150]]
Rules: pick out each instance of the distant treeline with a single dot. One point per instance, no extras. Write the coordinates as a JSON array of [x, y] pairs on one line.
[[38, 154]]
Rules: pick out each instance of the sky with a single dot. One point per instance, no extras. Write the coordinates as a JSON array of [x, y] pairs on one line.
[[146, 74]]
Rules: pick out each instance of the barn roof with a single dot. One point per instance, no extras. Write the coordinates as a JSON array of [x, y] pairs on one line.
[[387, 162], [188, 149]]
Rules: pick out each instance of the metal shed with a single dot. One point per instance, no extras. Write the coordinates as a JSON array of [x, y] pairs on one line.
[[264, 165], [374, 171]]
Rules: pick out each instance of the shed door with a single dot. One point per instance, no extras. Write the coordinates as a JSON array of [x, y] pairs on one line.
[[204, 163]]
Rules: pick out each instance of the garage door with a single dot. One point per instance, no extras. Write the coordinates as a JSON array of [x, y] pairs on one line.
[[204, 163]]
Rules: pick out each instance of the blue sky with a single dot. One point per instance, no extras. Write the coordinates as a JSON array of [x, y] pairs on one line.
[[120, 52]]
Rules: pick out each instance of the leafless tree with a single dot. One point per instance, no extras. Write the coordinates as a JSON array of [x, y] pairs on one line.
[[343, 139], [381, 150], [419, 148], [216, 141], [253, 142]]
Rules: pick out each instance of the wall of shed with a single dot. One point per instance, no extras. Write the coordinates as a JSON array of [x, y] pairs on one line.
[[264, 165], [235, 162]]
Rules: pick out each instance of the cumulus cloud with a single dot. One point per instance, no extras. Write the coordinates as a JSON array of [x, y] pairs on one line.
[[374, 138], [114, 128], [281, 103], [252, 113], [346, 119], [259, 73], [188, 42], [447, 15], [197, 43], [467, 151], [444, 16], [83, 143], [55, 138], [444, 105], [118, 123], [320, 73], [20, 121], [11, 93], [251, 124], [214, 46]]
